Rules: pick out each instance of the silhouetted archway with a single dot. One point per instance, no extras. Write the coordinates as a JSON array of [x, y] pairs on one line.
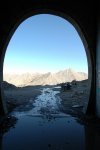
[[78, 27]]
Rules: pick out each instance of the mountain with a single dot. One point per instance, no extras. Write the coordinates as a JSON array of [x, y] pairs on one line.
[[45, 79]]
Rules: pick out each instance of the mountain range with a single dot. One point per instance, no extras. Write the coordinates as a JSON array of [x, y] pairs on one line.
[[44, 78]]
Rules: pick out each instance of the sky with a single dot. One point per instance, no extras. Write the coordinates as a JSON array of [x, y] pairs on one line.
[[45, 43]]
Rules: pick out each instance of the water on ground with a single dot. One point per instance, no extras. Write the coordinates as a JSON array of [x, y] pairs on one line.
[[45, 127]]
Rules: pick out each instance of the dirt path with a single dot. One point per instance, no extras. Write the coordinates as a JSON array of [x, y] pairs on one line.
[[23, 98]]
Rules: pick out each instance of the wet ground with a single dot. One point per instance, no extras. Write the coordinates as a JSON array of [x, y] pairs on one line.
[[45, 126]]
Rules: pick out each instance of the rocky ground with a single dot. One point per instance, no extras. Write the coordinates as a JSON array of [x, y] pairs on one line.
[[77, 97], [74, 99], [20, 97]]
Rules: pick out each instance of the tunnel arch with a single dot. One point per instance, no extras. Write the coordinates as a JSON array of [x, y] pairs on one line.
[[68, 17]]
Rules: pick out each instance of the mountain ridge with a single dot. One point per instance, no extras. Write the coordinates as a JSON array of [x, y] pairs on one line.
[[48, 78]]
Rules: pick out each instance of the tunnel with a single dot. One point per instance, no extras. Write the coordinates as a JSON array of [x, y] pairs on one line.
[[83, 18]]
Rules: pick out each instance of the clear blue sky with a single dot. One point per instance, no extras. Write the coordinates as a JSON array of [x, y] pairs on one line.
[[44, 43]]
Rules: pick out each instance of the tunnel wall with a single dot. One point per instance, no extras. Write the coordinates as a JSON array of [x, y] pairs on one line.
[[98, 70]]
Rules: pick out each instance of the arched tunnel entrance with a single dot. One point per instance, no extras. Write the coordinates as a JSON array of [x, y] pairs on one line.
[[83, 40], [36, 132], [86, 24]]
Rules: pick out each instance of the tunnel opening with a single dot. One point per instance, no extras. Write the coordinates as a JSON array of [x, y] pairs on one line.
[[63, 133], [78, 96]]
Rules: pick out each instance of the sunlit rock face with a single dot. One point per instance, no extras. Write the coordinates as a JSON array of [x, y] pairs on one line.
[[45, 79]]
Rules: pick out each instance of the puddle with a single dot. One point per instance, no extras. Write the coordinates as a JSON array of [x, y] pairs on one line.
[[39, 133]]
